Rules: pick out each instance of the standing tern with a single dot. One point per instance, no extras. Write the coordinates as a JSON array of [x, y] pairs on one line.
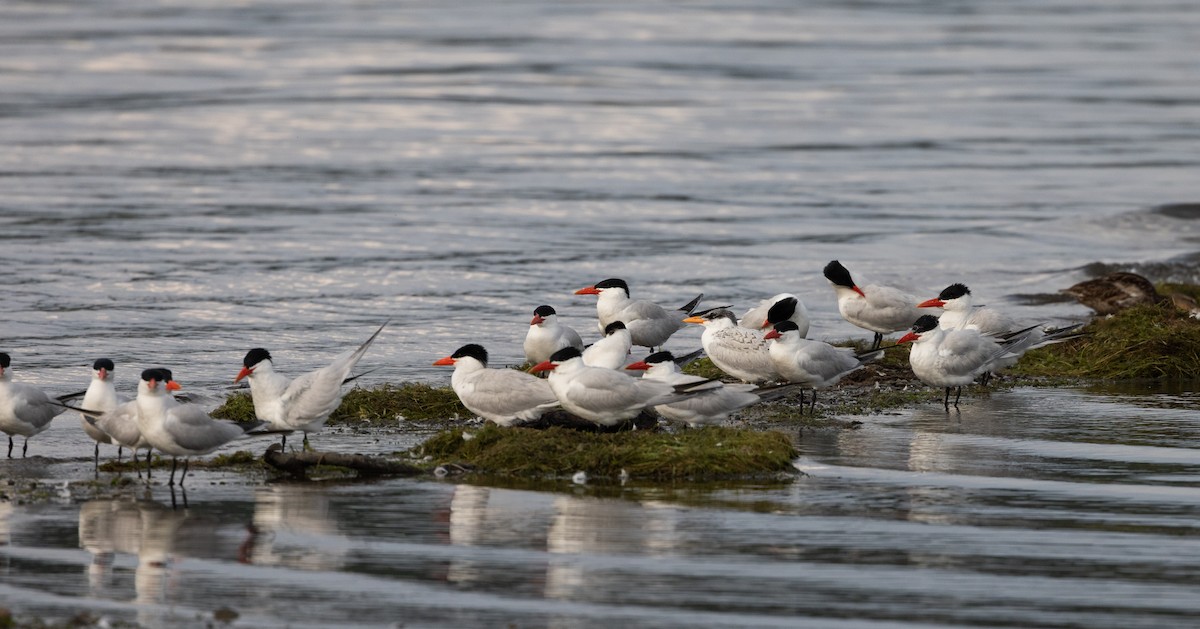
[[547, 335], [812, 364], [101, 396], [504, 396], [782, 307], [606, 397], [959, 313], [879, 309], [739, 352], [302, 404], [24, 409], [953, 358], [612, 351], [650, 324], [712, 405], [180, 430]]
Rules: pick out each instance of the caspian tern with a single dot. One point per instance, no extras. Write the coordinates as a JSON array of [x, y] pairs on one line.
[[739, 352], [504, 396], [782, 307], [650, 324], [812, 364], [24, 409], [602, 396], [179, 430], [101, 396], [959, 313], [953, 358], [547, 335], [712, 405], [302, 404], [1115, 292], [880, 309], [612, 351]]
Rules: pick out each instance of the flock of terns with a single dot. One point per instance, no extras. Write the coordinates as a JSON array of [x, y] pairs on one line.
[[766, 349]]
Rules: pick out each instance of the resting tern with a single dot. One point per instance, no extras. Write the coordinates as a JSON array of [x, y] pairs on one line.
[[782, 307], [504, 396], [179, 430], [713, 404], [302, 404], [605, 396], [650, 324], [959, 313], [24, 409], [953, 358], [101, 396], [812, 364], [739, 352], [880, 309], [547, 335], [612, 351]]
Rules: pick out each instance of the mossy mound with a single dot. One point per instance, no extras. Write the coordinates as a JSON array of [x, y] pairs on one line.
[[386, 403], [1144, 342], [701, 454]]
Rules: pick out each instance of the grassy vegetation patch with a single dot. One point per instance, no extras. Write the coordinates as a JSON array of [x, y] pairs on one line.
[[1150, 341], [386, 403], [705, 453]]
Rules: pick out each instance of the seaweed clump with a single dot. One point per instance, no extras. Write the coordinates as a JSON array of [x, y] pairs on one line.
[[703, 454], [387, 403], [1144, 342]]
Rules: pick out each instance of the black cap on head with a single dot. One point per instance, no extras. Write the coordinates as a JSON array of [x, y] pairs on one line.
[[660, 357], [544, 311], [786, 326], [157, 373], [613, 327], [5, 360], [719, 313], [473, 350], [564, 354], [255, 356], [836, 273], [613, 282], [925, 323], [782, 310], [954, 291], [103, 363]]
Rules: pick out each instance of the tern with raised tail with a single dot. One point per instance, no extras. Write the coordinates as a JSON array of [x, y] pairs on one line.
[[547, 335], [953, 358], [302, 404], [878, 309], [649, 323], [606, 397], [503, 396], [25, 410]]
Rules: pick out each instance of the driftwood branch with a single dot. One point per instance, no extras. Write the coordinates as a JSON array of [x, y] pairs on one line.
[[297, 463]]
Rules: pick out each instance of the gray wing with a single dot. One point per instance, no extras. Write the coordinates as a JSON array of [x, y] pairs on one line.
[[826, 362], [121, 424], [965, 353], [507, 393], [194, 430], [741, 353]]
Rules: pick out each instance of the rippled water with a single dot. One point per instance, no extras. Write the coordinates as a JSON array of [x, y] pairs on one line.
[[182, 181]]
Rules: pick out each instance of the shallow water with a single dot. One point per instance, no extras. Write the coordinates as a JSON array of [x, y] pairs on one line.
[[183, 181]]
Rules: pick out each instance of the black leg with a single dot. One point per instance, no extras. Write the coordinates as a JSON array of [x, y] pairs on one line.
[[283, 441], [878, 341], [10, 444], [946, 400], [812, 406], [306, 447], [96, 457], [174, 464], [185, 466], [120, 450], [25, 448], [149, 458], [957, 394], [135, 463], [801, 402]]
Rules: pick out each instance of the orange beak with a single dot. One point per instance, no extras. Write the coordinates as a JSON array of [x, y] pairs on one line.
[[243, 373], [766, 324], [537, 320], [173, 386], [442, 362], [641, 364], [911, 336], [931, 303], [859, 291], [589, 290], [699, 320], [773, 334], [545, 365]]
